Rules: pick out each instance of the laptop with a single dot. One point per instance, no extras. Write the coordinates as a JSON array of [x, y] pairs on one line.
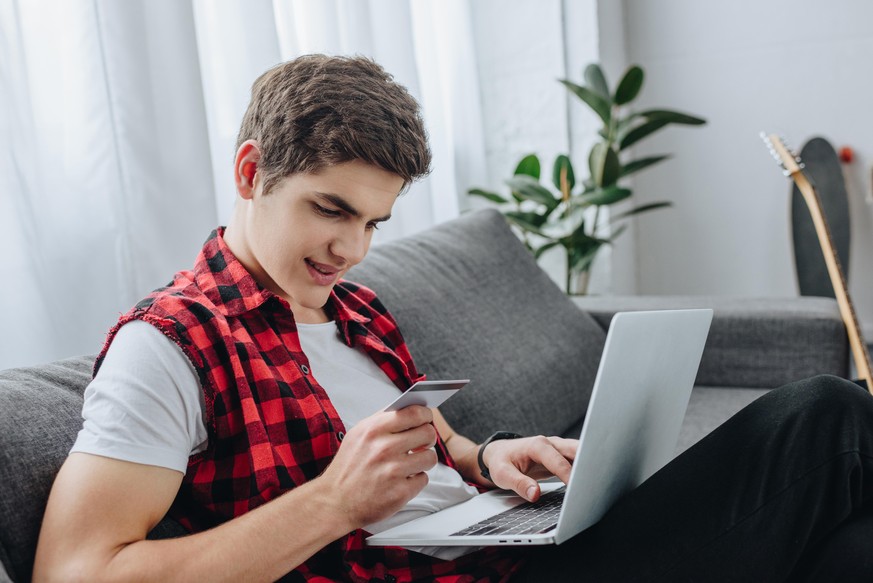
[[631, 429]]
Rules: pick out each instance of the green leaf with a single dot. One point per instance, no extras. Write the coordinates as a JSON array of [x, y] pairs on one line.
[[637, 165], [529, 166], [595, 79], [600, 106], [603, 196], [580, 257], [581, 248], [579, 237], [671, 116], [640, 132], [580, 260], [538, 253], [527, 221], [562, 162], [492, 196], [530, 189], [642, 209], [656, 115], [629, 86], [604, 165]]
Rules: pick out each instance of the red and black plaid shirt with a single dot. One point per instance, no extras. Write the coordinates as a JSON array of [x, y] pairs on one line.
[[271, 426]]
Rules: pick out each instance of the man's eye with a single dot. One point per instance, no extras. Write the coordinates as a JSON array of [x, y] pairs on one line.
[[373, 226], [326, 211]]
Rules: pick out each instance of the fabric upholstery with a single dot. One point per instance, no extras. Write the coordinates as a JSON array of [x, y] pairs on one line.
[[709, 407], [472, 303], [41, 409], [40, 415], [753, 342]]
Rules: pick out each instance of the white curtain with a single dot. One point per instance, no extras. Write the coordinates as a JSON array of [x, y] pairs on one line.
[[117, 124]]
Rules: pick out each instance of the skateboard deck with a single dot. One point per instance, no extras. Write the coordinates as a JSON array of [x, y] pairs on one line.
[[824, 172]]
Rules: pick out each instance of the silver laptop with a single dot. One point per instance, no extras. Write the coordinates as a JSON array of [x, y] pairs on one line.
[[630, 431]]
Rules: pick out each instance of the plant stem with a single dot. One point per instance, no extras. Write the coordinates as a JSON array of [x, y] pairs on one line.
[[613, 126], [596, 219], [569, 273]]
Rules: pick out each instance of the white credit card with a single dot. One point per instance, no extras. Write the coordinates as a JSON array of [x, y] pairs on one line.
[[427, 393]]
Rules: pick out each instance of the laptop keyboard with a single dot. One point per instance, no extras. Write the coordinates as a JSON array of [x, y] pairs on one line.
[[528, 518]]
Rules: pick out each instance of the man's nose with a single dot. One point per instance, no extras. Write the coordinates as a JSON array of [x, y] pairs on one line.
[[351, 245]]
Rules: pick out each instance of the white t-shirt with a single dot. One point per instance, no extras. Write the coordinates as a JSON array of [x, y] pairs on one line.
[[146, 406]]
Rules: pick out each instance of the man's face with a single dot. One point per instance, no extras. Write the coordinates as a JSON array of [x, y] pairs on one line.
[[304, 235]]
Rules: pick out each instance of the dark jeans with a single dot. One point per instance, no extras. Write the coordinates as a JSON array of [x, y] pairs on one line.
[[783, 491]]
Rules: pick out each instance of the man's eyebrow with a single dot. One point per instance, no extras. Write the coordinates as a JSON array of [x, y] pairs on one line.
[[344, 205]]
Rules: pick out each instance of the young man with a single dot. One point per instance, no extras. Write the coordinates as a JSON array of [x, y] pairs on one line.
[[244, 400]]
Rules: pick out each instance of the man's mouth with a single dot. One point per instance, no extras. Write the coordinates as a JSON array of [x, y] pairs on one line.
[[321, 273], [322, 268]]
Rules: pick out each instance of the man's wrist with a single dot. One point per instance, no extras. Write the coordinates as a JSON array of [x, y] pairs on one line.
[[483, 469]]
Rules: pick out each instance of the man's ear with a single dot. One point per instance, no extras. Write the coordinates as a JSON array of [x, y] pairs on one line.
[[245, 168]]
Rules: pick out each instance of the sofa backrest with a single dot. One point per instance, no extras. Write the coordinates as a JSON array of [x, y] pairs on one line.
[[472, 303], [40, 415]]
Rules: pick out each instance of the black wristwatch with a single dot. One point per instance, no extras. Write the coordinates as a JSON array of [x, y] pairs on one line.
[[499, 435]]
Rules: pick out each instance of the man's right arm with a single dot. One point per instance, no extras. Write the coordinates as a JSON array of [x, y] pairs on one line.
[[100, 511]]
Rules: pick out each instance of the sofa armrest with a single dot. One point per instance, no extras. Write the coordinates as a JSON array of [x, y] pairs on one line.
[[753, 342]]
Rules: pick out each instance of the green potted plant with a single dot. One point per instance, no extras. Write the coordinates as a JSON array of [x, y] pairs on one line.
[[566, 214]]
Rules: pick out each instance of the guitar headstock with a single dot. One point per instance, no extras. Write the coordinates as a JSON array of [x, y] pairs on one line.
[[790, 162]]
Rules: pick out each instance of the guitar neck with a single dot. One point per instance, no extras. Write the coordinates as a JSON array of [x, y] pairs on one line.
[[835, 271]]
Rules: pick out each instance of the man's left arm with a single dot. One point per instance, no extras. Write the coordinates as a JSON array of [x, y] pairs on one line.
[[514, 464]]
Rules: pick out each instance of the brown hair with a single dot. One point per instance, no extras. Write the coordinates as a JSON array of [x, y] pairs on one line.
[[316, 111]]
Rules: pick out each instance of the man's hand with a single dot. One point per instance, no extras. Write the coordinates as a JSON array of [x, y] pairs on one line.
[[381, 463], [517, 464]]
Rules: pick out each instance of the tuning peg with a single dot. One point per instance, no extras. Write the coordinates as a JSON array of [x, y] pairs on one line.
[[793, 154], [771, 148]]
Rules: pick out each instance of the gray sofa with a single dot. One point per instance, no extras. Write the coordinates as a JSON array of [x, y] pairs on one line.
[[471, 302]]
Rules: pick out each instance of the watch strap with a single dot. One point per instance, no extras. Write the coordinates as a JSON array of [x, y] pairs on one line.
[[499, 435]]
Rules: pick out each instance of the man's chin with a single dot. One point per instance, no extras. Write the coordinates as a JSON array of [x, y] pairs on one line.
[[315, 301]]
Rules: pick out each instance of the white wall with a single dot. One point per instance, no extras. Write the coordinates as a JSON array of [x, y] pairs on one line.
[[612, 48], [519, 51], [796, 67], [523, 48]]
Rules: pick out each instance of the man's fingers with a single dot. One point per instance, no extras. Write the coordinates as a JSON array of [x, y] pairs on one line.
[[409, 429], [408, 417], [544, 452], [566, 447], [543, 459], [418, 462], [416, 439], [510, 477], [418, 481]]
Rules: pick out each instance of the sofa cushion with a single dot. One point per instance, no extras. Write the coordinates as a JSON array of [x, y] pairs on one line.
[[709, 407], [472, 303], [41, 415]]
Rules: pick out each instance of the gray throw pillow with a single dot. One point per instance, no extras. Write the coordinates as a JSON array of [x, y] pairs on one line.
[[471, 302]]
